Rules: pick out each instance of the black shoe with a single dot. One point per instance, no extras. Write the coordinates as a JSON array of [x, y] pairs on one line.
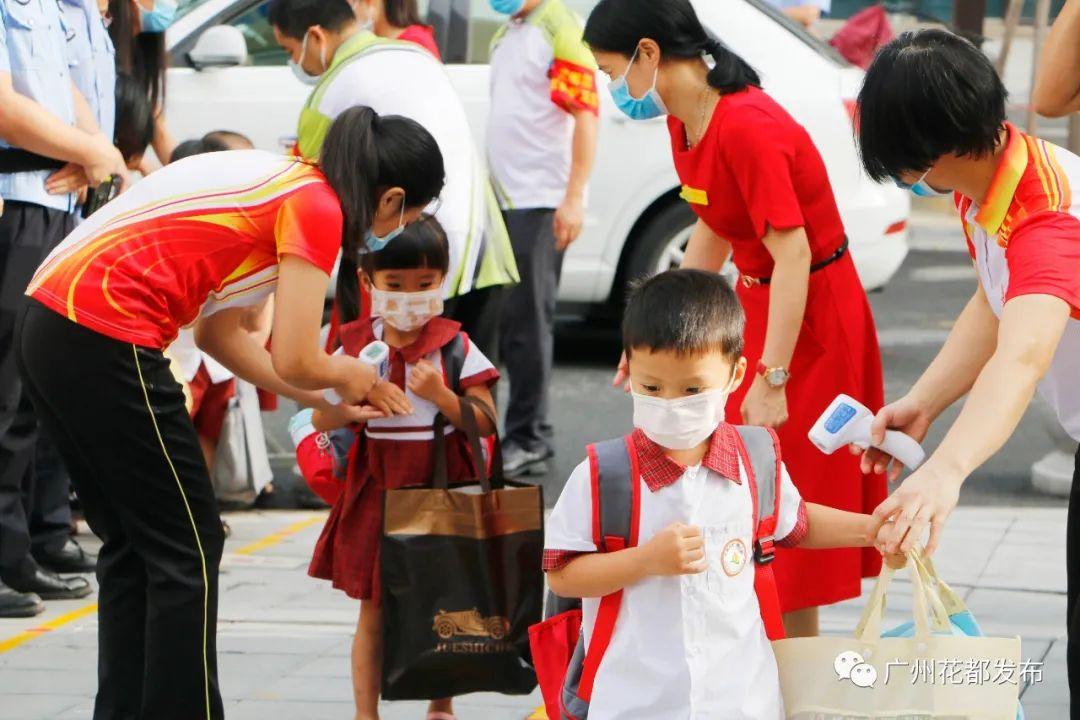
[[19, 605], [69, 558], [518, 462], [49, 585]]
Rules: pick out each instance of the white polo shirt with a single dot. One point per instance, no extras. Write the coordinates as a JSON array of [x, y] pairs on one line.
[[1025, 240], [541, 71], [692, 646]]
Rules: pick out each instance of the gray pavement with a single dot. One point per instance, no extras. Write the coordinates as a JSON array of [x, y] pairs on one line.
[[284, 638]]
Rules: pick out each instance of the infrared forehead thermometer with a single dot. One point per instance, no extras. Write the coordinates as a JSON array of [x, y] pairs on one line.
[[847, 422], [377, 355]]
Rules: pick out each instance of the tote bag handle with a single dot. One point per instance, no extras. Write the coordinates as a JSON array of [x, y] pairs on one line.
[[471, 429], [926, 604]]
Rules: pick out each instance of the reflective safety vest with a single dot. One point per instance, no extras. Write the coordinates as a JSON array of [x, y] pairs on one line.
[[487, 258]]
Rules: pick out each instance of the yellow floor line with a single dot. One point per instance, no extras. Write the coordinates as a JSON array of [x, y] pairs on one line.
[[274, 538], [270, 540]]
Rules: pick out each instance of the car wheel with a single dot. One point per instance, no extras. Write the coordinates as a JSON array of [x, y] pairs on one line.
[[444, 629], [662, 245]]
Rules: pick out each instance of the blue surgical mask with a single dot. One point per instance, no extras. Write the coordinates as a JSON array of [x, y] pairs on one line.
[[920, 187], [507, 7], [159, 17], [298, 70], [375, 243], [644, 108]]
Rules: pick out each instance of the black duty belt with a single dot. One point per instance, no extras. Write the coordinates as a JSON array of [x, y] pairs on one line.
[[17, 160], [749, 281]]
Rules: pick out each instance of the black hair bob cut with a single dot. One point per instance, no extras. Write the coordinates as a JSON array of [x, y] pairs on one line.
[[685, 312], [422, 244], [927, 94]]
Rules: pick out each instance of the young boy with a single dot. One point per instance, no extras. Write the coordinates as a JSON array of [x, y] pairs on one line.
[[690, 640]]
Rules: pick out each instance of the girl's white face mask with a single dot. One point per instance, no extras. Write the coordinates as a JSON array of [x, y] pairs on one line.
[[681, 423], [406, 311]]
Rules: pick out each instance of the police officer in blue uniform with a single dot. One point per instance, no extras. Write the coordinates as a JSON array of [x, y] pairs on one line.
[[47, 130]]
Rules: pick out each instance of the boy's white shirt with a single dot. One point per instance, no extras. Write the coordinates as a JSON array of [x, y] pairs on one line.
[[692, 646]]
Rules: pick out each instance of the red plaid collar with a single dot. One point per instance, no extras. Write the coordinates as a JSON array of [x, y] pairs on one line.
[[658, 470]]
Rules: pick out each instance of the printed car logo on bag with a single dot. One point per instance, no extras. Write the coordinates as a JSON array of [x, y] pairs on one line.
[[470, 623], [733, 557]]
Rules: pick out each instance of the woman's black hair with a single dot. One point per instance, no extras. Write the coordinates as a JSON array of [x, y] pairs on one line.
[[927, 94], [402, 13], [135, 118], [140, 55], [421, 245], [363, 155], [619, 25]]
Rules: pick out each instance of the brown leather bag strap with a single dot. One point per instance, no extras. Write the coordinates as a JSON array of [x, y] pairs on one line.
[[498, 480]]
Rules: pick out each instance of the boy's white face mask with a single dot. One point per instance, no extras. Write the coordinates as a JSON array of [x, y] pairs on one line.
[[406, 311], [681, 423]]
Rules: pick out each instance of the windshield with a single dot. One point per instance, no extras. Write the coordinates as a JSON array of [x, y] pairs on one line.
[[187, 6], [820, 46]]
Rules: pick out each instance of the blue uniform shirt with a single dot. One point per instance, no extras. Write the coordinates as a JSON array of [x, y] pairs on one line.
[[33, 49], [92, 60]]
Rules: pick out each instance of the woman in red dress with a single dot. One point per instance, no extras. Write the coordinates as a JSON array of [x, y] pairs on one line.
[[397, 20], [759, 188]]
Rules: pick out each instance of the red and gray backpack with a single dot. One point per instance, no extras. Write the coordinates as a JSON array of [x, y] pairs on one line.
[[565, 669]]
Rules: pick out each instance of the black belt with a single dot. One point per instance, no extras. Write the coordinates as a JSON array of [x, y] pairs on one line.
[[17, 160], [749, 281]]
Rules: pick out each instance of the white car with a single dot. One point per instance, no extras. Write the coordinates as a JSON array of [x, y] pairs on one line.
[[235, 78]]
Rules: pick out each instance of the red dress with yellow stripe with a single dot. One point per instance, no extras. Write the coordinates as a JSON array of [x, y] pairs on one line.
[[391, 453], [756, 169]]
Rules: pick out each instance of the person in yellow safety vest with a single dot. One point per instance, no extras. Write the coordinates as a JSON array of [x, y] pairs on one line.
[[348, 65]]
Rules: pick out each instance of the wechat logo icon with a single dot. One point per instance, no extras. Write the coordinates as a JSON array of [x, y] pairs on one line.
[[851, 666]]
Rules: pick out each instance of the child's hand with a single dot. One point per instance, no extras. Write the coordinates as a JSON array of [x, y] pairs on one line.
[[390, 399], [339, 416], [676, 550], [896, 560], [426, 381]]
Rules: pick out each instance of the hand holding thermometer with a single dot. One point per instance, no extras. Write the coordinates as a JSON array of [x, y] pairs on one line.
[[377, 355], [847, 422]]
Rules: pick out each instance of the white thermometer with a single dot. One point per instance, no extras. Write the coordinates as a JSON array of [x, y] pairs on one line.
[[847, 422]]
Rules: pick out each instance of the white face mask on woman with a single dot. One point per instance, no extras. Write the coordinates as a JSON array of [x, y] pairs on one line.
[[681, 423], [406, 311]]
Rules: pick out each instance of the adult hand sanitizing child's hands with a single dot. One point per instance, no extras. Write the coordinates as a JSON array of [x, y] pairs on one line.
[[678, 549], [426, 381], [389, 398]]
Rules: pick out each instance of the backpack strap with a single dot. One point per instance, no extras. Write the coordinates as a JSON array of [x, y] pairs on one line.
[[616, 495], [760, 450], [453, 361]]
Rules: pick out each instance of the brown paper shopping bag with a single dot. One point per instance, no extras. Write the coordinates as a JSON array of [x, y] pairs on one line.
[[933, 675]]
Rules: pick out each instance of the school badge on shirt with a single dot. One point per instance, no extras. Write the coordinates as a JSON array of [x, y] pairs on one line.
[[733, 557]]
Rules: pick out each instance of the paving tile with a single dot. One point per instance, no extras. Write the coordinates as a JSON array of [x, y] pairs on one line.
[[246, 664], [1053, 688], [1008, 612], [277, 710], [45, 682], [36, 707], [1026, 567]]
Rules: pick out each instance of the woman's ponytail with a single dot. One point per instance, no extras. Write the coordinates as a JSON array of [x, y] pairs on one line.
[[363, 155], [619, 25], [729, 73], [351, 165]]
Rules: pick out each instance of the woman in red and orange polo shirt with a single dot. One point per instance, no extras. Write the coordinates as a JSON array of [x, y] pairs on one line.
[[197, 242], [759, 188]]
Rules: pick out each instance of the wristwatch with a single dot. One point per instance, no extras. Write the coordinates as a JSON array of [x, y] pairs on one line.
[[776, 377]]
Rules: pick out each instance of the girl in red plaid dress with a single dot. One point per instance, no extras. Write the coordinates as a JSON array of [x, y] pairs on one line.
[[394, 446]]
